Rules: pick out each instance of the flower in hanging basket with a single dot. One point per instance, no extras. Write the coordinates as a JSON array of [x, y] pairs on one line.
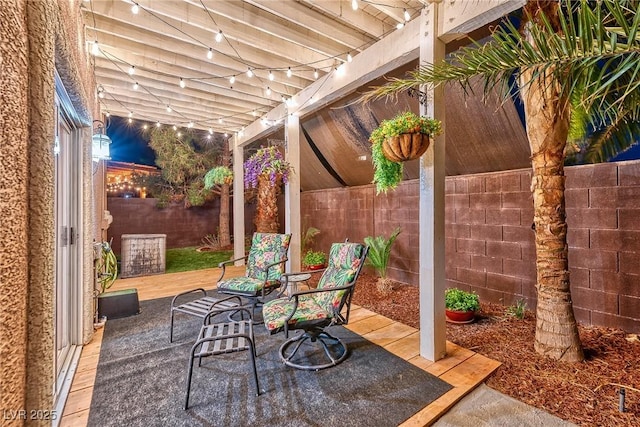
[[266, 161], [404, 137], [218, 176]]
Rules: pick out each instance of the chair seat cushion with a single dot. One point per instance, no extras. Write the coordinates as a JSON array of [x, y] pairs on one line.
[[244, 286], [276, 311]]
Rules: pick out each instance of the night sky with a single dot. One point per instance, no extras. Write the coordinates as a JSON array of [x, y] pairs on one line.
[[129, 143]]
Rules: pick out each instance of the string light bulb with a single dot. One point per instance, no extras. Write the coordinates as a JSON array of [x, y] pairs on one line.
[[315, 74], [349, 57], [190, 125], [400, 25], [210, 131], [268, 91], [95, 49], [407, 16], [220, 120], [354, 4], [130, 120], [175, 127], [157, 124], [219, 36], [289, 72], [168, 108], [132, 70], [108, 114], [145, 126], [249, 72], [135, 9], [135, 86], [210, 53], [253, 113], [130, 114], [232, 79], [182, 83], [271, 76]]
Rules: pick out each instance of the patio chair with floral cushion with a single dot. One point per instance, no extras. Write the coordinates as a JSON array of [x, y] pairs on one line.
[[265, 266], [315, 310]]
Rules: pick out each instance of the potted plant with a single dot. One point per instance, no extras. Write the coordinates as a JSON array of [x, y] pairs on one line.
[[460, 306], [314, 260], [402, 138], [266, 170]]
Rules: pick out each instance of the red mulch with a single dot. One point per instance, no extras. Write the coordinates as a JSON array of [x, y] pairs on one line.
[[584, 393]]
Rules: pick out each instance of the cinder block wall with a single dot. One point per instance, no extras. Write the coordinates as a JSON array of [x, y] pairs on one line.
[[183, 227], [489, 241]]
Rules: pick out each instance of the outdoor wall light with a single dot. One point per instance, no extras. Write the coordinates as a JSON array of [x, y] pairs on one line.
[[100, 143]]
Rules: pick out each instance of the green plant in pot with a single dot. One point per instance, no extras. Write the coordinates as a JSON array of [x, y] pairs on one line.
[[461, 306], [404, 137], [314, 260]]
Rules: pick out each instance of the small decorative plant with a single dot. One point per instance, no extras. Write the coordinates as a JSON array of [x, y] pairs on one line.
[[314, 258], [218, 176], [378, 258], [388, 173], [458, 300]]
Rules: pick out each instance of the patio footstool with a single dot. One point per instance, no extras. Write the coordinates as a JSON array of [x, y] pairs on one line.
[[202, 306]]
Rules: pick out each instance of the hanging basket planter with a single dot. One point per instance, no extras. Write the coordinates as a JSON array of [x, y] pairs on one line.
[[406, 146]]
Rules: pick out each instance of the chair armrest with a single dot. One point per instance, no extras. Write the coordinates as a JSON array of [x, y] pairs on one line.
[[317, 291], [223, 265], [204, 294]]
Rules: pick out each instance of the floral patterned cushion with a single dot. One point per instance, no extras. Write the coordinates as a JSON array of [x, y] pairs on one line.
[[267, 248], [276, 311], [244, 285], [344, 260]]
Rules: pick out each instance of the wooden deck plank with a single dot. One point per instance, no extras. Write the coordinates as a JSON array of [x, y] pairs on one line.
[[389, 334], [369, 324], [406, 347], [77, 419], [77, 401]]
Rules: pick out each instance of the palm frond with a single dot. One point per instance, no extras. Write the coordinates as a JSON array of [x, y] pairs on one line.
[[598, 45]]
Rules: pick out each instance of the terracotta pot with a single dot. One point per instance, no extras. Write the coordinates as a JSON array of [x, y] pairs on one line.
[[406, 146], [315, 267], [460, 316]]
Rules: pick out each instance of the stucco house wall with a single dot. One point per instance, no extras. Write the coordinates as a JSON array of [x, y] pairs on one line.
[[36, 38]]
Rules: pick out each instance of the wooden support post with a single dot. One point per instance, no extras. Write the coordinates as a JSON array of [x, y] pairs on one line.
[[292, 192], [238, 201], [431, 215]]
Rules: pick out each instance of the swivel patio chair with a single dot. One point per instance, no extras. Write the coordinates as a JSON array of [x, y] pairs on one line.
[[265, 266], [313, 311]]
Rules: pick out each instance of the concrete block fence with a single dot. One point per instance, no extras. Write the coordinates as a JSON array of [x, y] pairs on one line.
[[489, 240]]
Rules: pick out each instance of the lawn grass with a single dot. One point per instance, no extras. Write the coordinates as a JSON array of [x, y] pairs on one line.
[[187, 259]]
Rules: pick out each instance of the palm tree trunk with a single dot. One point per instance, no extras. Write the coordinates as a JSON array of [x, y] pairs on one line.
[[223, 218], [266, 219], [224, 232], [547, 128]]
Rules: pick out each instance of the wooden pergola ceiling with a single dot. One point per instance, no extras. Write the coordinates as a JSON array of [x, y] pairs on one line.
[[166, 41]]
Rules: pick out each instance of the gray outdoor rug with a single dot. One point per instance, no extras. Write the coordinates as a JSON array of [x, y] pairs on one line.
[[141, 381]]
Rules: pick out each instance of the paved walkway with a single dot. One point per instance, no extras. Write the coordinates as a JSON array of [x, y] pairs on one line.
[[486, 407]]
